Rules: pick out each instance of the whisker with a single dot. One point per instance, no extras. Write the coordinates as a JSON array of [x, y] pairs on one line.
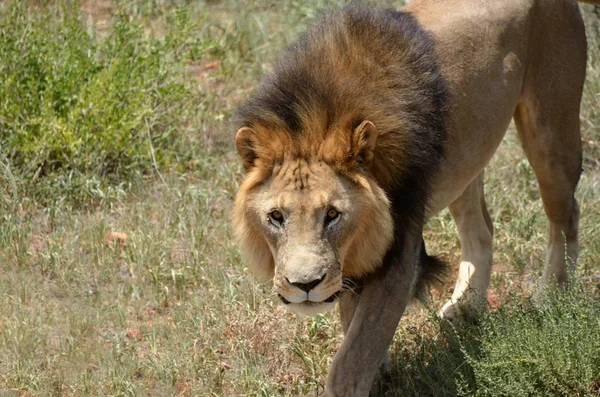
[[349, 286], [346, 282]]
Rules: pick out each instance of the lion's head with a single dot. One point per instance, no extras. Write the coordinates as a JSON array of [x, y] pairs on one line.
[[309, 216]]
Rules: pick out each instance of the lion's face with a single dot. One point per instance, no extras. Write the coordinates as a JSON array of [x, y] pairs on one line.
[[308, 217], [308, 225]]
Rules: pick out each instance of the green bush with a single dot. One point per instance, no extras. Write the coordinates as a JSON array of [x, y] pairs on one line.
[[79, 113], [547, 347], [550, 348]]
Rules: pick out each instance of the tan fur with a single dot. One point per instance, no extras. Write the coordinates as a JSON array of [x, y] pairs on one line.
[[536, 76], [363, 247], [500, 59], [301, 189]]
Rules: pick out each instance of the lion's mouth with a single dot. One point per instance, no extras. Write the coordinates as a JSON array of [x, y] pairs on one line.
[[331, 299]]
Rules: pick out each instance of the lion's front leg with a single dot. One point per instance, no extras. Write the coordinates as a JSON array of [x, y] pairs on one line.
[[348, 303], [370, 331]]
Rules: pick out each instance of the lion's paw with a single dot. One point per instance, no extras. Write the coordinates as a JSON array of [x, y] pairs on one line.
[[460, 310]]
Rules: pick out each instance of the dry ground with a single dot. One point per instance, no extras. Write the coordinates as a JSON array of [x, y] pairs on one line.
[[146, 294]]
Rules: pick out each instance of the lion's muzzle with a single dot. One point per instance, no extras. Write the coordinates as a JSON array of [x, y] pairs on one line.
[[306, 286], [310, 292], [309, 281]]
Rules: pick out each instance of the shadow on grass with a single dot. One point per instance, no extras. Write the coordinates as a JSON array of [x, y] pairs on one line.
[[431, 360]]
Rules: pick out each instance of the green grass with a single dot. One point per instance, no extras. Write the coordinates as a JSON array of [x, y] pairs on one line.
[[116, 119]]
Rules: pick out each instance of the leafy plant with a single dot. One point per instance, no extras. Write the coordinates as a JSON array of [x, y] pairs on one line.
[[79, 113]]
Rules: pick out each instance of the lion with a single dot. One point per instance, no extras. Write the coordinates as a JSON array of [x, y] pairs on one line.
[[376, 120]]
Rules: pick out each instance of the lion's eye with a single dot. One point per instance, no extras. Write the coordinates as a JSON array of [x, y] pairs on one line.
[[332, 214], [276, 217]]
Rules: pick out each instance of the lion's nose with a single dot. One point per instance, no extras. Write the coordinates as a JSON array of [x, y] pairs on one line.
[[306, 287]]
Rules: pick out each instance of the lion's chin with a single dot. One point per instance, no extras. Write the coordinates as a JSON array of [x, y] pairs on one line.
[[308, 308]]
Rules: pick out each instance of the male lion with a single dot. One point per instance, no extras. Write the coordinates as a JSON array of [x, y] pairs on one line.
[[374, 121]]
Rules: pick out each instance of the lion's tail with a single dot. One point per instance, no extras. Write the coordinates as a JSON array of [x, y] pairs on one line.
[[433, 272]]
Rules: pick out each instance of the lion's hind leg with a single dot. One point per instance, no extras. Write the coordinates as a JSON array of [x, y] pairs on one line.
[[547, 120], [552, 143], [476, 231]]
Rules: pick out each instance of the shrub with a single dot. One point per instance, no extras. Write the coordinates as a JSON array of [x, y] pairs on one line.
[[79, 113], [550, 348]]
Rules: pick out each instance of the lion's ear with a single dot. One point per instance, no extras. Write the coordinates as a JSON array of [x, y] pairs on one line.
[[245, 141], [364, 139]]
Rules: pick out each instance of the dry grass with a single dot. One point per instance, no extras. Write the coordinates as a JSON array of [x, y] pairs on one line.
[[145, 294]]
